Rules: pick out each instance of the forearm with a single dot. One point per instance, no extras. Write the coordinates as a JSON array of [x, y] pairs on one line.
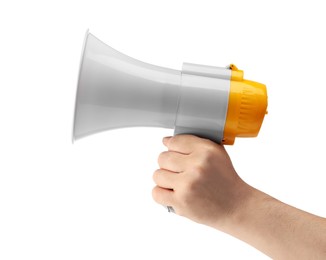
[[277, 229], [197, 178]]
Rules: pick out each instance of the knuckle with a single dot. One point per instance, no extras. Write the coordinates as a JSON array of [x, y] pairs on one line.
[[173, 141], [185, 196], [208, 144], [199, 176], [177, 140], [198, 169], [166, 157], [162, 157], [180, 139], [209, 148], [156, 194], [208, 155], [193, 185], [155, 175]]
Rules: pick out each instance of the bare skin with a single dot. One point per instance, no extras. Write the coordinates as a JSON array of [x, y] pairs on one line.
[[197, 178]]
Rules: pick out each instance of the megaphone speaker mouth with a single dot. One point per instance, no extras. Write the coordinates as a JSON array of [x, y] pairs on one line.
[[78, 80], [116, 91]]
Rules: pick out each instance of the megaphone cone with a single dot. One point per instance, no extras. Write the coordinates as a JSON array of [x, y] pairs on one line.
[[116, 91]]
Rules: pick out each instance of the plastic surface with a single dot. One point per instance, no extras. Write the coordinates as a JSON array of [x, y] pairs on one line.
[[116, 91], [203, 101], [247, 107]]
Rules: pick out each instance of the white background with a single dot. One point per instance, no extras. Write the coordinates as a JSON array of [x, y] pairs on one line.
[[92, 200]]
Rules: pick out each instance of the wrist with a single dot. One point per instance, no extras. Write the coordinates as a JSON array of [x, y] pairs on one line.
[[253, 201], [251, 220], [248, 201]]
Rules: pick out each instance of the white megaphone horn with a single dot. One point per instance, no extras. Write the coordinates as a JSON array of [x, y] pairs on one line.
[[116, 91]]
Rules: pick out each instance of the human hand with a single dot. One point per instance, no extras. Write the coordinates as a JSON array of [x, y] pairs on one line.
[[197, 178]]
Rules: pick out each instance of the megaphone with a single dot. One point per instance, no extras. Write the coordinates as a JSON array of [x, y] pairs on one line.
[[115, 91]]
